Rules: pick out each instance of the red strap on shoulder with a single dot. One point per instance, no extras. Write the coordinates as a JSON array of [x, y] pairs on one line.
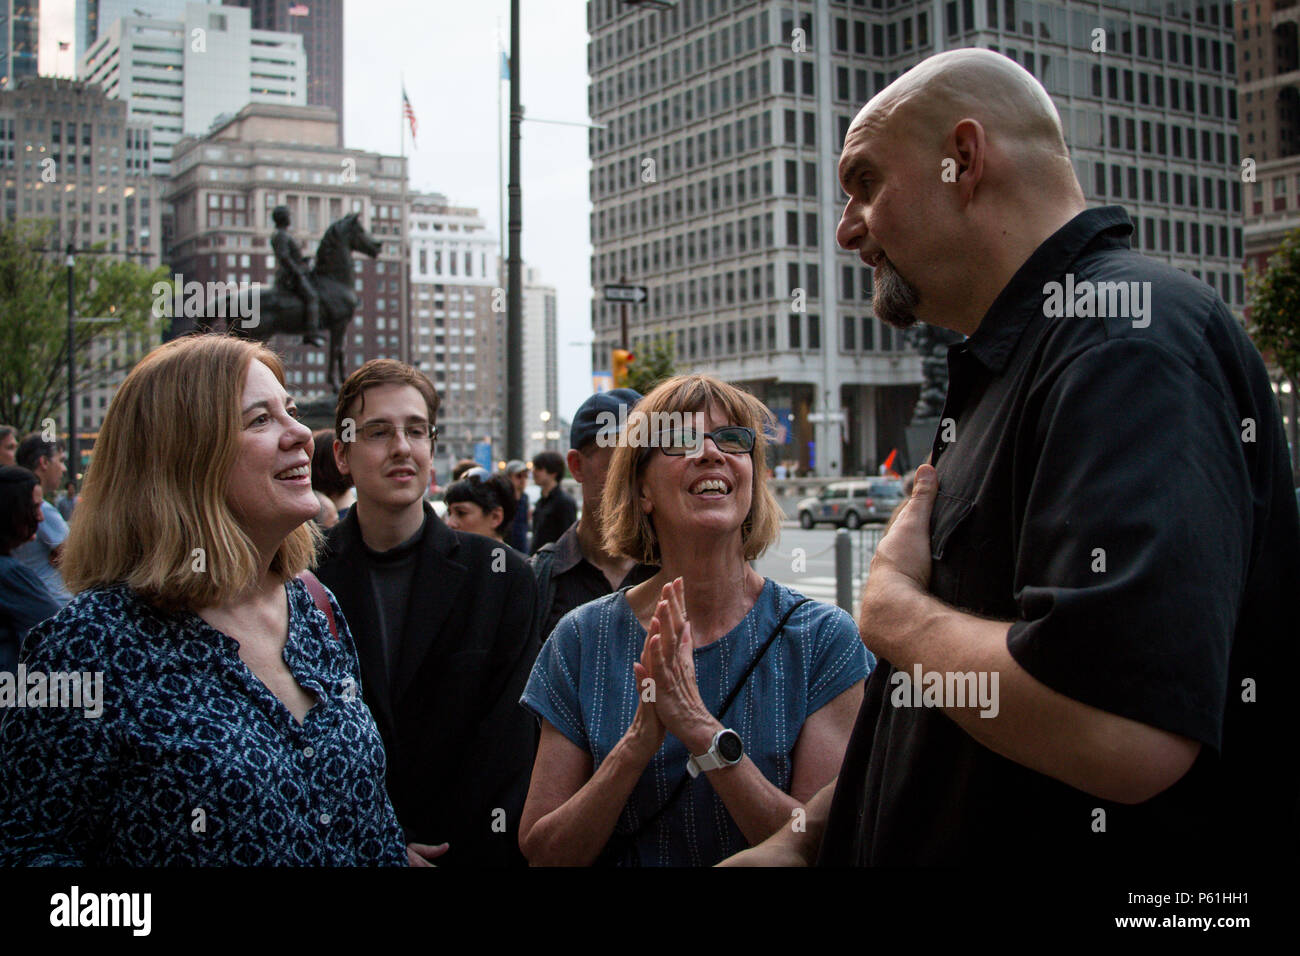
[[317, 591]]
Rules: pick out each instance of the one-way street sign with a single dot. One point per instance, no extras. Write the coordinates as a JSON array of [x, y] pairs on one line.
[[626, 293]]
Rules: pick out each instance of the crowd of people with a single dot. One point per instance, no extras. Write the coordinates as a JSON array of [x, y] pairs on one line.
[[303, 664]]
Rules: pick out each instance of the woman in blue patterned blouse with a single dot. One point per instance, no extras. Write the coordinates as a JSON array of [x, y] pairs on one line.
[[641, 761], [191, 706]]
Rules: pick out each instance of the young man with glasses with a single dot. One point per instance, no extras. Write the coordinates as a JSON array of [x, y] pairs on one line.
[[443, 623]]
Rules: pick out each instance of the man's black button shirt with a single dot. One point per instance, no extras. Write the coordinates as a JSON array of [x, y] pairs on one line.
[[1119, 487], [576, 580]]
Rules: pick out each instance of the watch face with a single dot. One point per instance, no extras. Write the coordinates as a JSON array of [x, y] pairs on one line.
[[729, 746]]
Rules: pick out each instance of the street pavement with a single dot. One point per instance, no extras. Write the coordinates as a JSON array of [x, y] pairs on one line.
[[805, 560]]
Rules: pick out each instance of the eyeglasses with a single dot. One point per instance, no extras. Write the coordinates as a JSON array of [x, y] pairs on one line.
[[384, 431], [477, 474], [730, 440]]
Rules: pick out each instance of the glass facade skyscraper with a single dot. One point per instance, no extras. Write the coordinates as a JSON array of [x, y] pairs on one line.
[[713, 183]]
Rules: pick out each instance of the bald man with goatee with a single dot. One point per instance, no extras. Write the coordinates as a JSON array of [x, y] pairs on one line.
[[1082, 611]]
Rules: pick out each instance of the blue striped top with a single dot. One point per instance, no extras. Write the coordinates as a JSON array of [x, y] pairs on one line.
[[583, 684]]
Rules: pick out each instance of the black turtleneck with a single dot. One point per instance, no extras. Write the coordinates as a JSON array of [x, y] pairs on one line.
[[390, 580]]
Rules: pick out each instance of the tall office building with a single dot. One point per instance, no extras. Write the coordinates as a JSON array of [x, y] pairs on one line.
[[541, 374], [183, 74], [320, 24], [224, 186], [714, 182], [93, 17], [71, 157], [1269, 88], [1268, 36], [458, 337], [19, 40]]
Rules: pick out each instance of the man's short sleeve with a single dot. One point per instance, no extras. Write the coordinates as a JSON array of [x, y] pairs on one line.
[[1131, 557], [53, 530], [552, 689]]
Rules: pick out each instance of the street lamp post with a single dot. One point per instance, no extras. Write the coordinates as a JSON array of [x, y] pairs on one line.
[[545, 433], [73, 451], [70, 262]]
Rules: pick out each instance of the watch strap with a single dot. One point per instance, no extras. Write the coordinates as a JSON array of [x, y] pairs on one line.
[[712, 758], [709, 760]]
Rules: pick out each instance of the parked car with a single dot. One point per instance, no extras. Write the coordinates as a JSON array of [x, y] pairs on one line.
[[850, 504]]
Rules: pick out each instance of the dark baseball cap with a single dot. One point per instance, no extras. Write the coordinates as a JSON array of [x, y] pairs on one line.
[[593, 415]]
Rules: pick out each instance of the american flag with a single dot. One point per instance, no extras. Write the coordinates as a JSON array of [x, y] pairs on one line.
[[409, 112], [298, 10]]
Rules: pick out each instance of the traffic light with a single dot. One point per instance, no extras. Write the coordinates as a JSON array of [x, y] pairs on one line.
[[622, 359]]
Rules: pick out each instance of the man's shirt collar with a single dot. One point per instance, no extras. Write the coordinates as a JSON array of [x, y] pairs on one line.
[[568, 552], [1022, 298]]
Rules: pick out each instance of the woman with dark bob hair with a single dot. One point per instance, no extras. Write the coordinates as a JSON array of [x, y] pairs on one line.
[[481, 503], [227, 726], [24, 599], [689, 716]]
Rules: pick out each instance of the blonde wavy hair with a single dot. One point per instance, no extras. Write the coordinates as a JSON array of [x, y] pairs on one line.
[[156, 487], [629, 531]]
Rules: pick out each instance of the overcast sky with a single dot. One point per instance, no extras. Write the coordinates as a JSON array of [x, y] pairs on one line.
[[447, 52]]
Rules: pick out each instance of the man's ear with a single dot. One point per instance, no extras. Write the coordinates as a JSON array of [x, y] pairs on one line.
[[341, 457], [968, 146], [574, 460], [496, 516]]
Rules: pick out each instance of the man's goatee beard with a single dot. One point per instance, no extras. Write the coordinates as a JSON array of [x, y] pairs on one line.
[[895, 298]]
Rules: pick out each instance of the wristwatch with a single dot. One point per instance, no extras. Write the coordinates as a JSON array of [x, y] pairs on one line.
[[725, 751]]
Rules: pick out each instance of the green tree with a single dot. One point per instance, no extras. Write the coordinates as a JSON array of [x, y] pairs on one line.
[[652, 365], [34, 322], [1275, 307]]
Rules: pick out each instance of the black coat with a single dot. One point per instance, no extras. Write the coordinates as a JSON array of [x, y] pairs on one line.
[[552, 516], [459, 745]]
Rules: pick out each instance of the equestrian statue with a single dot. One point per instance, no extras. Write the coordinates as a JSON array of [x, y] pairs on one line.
[[310, 296]]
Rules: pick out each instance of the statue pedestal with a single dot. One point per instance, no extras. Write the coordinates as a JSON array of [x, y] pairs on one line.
[[317, 414]]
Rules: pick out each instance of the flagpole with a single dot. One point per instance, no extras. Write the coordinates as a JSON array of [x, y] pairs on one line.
[[514, 263], [501, 172], [409, 336]]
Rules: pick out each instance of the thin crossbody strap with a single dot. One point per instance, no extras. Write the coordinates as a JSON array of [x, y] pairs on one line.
[[731, 698]]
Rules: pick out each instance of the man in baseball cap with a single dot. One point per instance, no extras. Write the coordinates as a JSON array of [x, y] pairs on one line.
[[577, 568], [517, 536]]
